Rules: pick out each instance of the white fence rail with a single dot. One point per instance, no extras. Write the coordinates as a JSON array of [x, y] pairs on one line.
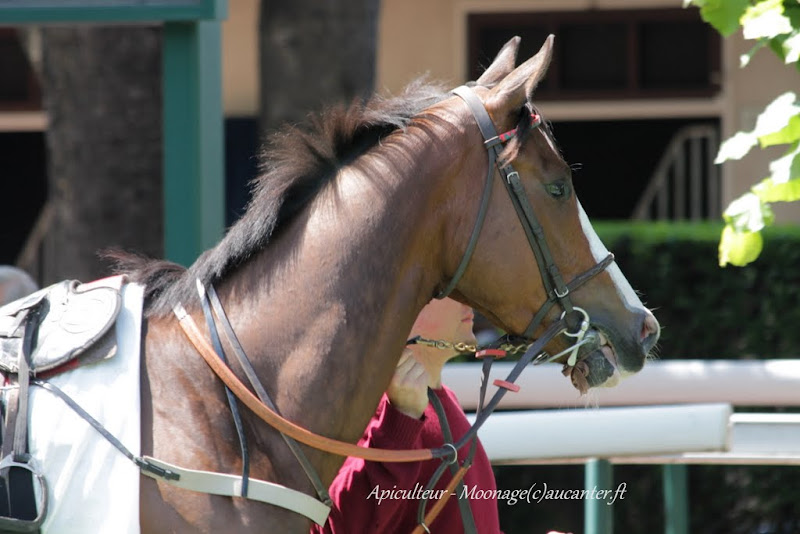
[[567, 436], [693, 423], [738, 382]]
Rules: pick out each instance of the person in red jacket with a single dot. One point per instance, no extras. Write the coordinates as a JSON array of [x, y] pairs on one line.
[[376, 497]]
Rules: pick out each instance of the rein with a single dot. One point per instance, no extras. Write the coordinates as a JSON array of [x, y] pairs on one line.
[[574, 322], [448, 453], [330, 445]]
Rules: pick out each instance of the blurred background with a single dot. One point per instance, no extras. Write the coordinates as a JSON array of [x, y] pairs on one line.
[[640, 94]]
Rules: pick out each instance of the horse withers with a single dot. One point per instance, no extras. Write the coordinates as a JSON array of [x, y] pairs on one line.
[[352, 227]]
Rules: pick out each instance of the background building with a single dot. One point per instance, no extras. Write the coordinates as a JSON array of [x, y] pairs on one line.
[[640, 93]]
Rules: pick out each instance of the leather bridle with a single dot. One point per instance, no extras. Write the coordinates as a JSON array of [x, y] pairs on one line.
[[557, 291], [573, 322]]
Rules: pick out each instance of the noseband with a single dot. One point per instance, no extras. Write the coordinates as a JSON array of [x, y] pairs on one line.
[[557, 291]]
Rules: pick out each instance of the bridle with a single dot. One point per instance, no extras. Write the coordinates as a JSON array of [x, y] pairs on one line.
[[557, 291], [574, 322]]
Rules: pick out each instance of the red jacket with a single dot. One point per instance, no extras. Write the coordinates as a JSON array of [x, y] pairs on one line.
[[375, 497]]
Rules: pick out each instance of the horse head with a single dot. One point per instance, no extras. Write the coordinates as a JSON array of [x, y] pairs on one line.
[[556, 264]]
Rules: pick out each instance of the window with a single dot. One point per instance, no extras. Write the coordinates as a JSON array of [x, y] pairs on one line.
[[608, 54]]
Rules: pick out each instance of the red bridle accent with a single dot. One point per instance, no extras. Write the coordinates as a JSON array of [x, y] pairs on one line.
[[536, 120]]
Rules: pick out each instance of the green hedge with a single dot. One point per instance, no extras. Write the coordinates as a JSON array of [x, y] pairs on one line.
[[707, 311]]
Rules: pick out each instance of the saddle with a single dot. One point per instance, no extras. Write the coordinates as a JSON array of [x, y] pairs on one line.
[[45, 333]]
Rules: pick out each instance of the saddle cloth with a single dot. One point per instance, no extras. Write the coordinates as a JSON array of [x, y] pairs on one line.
[[92, 486]]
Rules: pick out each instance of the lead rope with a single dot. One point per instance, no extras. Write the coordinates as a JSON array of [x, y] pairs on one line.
[[463, 503], [481, 415]]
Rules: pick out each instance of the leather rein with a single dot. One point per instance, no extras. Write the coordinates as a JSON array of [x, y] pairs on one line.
[[574, 322]]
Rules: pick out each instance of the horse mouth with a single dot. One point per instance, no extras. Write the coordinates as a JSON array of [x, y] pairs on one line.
[[597, 364]]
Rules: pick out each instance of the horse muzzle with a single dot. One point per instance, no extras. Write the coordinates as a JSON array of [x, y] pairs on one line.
[[608, 356]]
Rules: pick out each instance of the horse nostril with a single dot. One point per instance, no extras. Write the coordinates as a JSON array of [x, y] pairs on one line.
[[650, 331]]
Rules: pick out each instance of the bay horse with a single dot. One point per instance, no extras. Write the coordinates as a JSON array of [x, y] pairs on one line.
[[351, 230]]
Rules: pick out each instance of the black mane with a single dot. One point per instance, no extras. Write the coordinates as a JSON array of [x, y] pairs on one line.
[[295, 164]]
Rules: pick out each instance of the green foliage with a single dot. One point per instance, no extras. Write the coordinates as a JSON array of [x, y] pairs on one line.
[[707, 312], [724, 15], [774, 24]]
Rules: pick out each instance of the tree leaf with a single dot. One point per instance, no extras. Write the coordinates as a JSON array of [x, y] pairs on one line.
[[787, 166], [788, 134], [724, 15], [736, 147], [776, 115], [768, 191], [776, 45], [739, 248], [765, 19], [748, 214], [791, 48]]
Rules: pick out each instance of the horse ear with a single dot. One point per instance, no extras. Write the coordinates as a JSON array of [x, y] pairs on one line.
[[503, 63], [517, 88]]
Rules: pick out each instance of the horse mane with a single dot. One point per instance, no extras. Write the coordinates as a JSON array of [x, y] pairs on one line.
[[294, 166]]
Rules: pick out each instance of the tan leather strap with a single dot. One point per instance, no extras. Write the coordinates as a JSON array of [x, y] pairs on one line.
[[439, 505], [276, 421], [231, 486]]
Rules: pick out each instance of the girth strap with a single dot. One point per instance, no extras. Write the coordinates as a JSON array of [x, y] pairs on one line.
[[21, 431]]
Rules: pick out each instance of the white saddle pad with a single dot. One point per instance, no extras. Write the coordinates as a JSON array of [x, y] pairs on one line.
[[92, 486]]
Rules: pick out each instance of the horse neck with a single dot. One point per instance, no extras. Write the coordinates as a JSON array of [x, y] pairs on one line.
[[325, 310]]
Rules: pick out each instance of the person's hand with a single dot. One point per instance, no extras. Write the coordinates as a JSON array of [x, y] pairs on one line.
[[408, 390]]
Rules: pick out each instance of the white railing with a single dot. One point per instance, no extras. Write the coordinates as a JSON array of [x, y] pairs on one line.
[[671, 413], [685, 183], [681, 385]]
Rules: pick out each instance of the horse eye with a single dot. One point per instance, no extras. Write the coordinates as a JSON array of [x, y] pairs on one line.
[[557, 189]]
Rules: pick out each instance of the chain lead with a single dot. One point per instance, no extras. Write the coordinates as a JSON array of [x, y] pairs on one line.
[[469, 348]]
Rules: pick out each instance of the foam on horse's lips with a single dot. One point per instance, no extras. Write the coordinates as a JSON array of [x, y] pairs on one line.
[[597, 367]]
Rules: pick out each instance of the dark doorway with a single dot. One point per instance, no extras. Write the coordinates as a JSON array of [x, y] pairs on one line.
[[614, 160], [24, 175]]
